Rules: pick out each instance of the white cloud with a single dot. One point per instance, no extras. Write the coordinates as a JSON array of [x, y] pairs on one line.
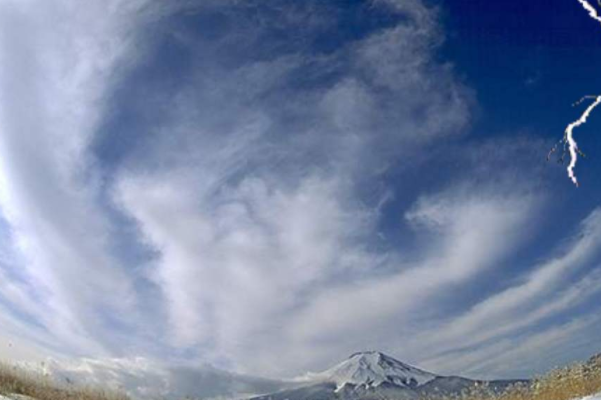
[[543, 293], [535, 353], [259, 204], [144, 378], [232, 268], [464, 244], [58, 63], [471, 341]]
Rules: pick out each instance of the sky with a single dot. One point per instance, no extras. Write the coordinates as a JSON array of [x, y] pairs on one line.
[[262, 189]]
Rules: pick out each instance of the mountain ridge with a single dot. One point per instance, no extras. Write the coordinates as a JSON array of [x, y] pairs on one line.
[[368, 375]]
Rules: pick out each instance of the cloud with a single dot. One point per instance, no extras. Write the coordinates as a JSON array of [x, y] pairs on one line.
[[59, 63], [143, 378], [463, 230], [540, 351], [264, 199], [548, 291]]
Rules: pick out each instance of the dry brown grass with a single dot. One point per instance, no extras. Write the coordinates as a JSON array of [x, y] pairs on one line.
[[17, 381], [572, 382]]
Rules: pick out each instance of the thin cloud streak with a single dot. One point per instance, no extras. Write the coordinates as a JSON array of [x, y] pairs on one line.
[[548, 291]]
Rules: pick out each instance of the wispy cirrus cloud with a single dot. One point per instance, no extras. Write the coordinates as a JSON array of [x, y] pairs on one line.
[[268, 197], [59, 63], [548, 291]]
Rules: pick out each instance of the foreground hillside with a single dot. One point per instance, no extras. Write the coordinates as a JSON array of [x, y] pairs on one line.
[[16, 384], [578, 381]]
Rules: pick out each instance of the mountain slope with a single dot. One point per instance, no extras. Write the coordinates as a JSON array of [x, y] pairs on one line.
[[372, 369]]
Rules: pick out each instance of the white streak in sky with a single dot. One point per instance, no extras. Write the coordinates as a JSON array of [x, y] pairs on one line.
[[569, 138], [591, 10]]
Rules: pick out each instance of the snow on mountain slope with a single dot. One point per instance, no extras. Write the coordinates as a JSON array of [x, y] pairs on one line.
[[371, 369]]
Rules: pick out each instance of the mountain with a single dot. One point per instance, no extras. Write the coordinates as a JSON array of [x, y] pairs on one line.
[[372, 369], [372, 375]]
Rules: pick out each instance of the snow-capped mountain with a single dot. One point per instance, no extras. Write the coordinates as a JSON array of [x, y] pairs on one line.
[[372, 375], [372, 369]]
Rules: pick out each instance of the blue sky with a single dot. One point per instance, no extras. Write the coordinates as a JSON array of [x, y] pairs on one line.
[[265, 189]]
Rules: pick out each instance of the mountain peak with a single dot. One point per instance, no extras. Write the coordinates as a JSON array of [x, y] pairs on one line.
[[373, 368], [367, 353]]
